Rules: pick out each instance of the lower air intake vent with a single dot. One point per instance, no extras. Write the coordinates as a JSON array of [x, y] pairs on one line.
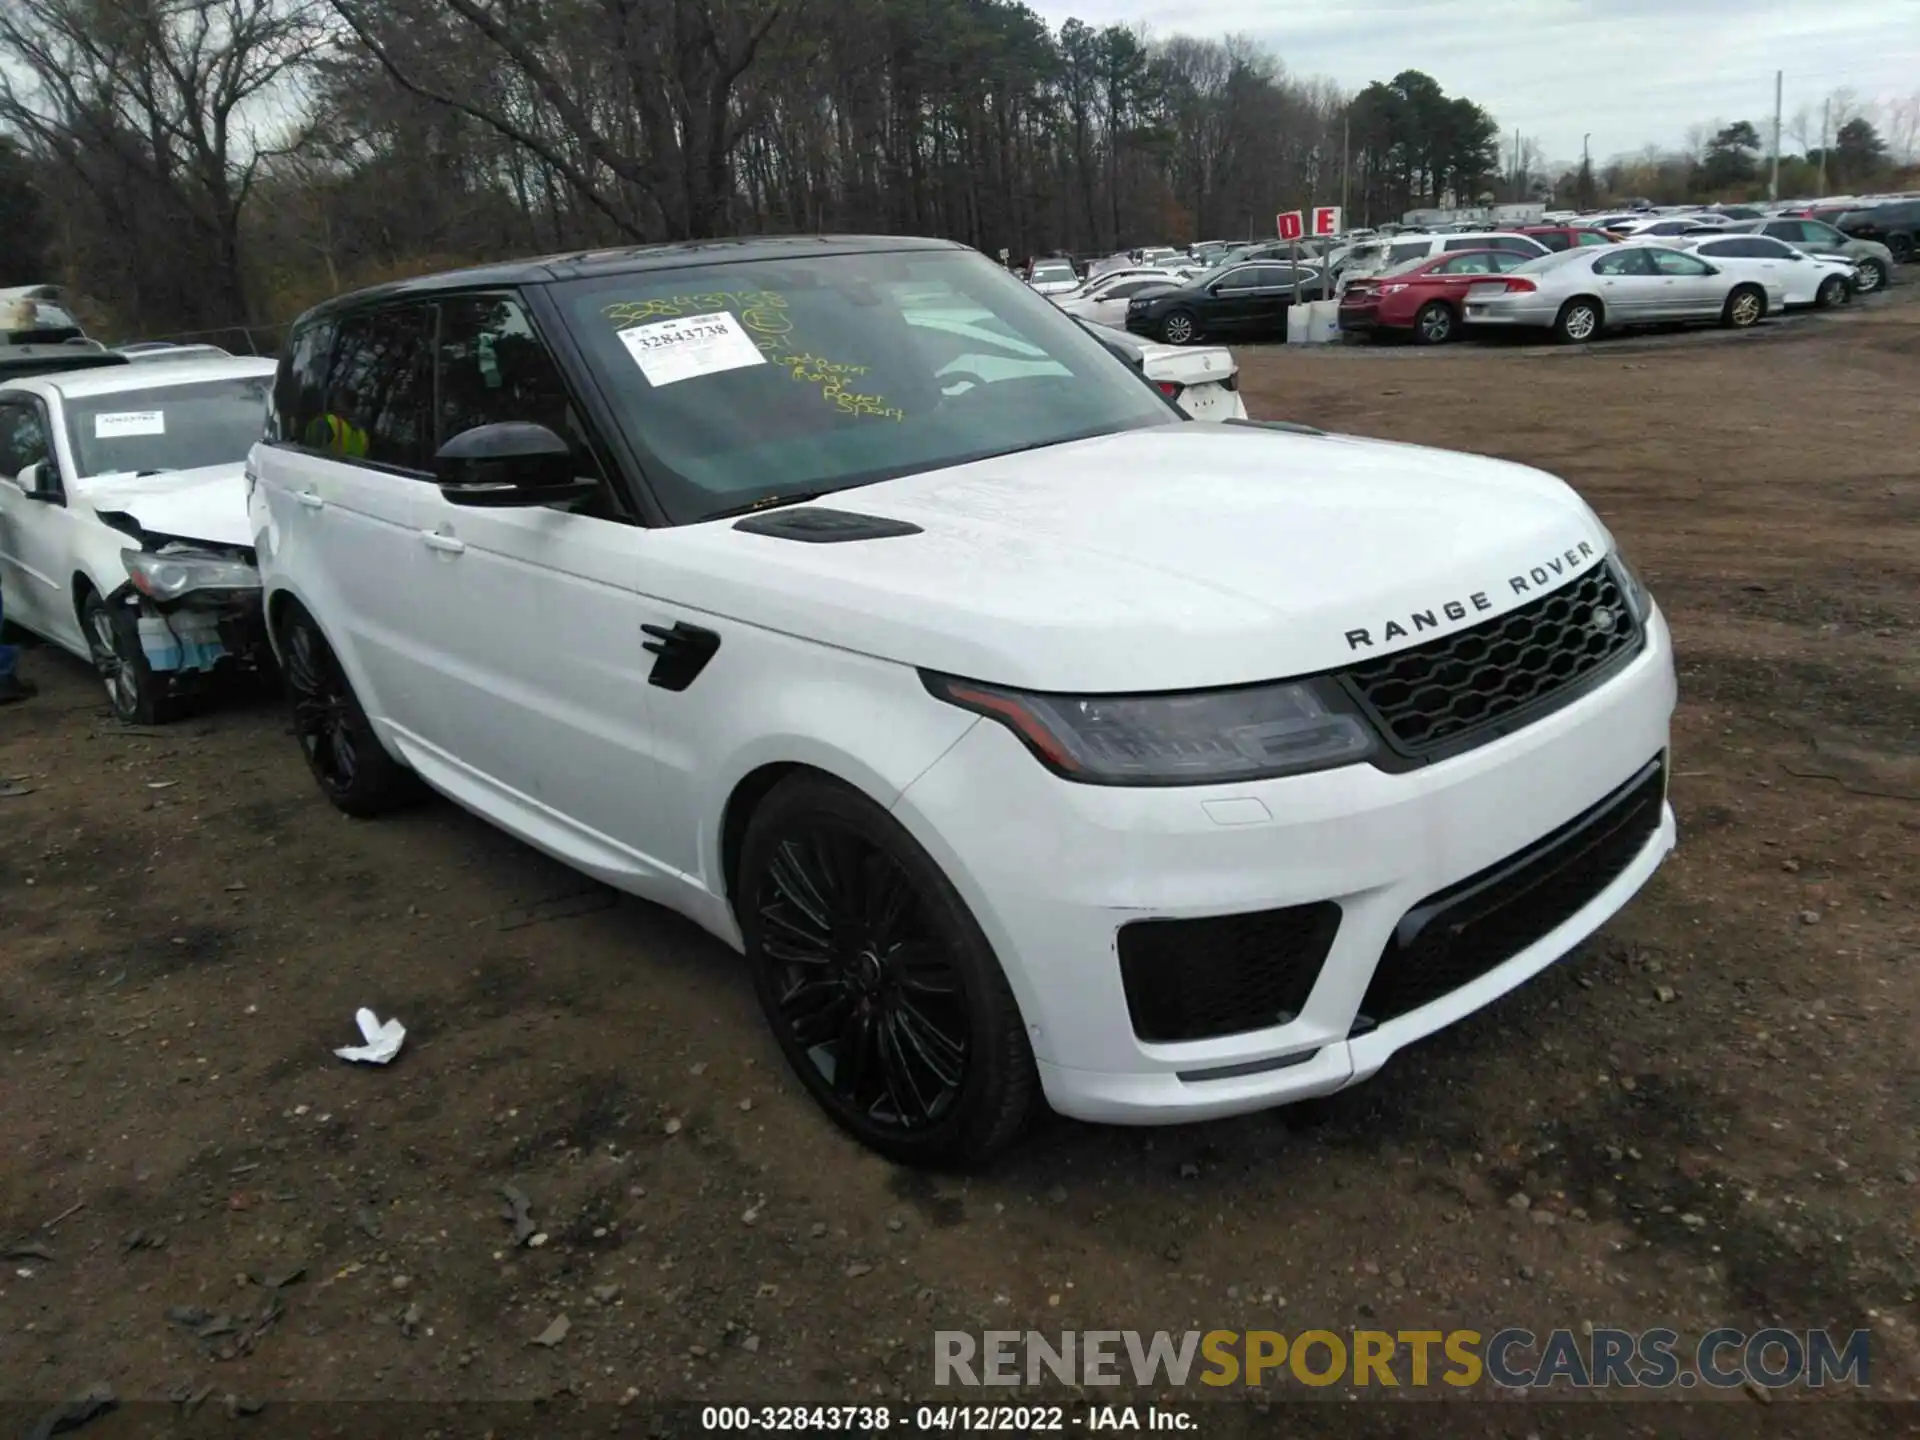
[[1225, 975]]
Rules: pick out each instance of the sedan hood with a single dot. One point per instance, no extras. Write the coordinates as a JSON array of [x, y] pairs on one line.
[[1173, 558], [208, 503]]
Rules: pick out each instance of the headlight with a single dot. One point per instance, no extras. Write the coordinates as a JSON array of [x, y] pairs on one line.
[[1391, 289], [1197, 737], [167, 575], [1633, 587]]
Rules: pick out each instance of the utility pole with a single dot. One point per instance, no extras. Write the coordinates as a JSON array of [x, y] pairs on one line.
[[1516, 163], [1773, 185], [1826, 117]]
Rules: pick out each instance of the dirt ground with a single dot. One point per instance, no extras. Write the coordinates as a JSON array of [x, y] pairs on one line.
[[1714, 1109]]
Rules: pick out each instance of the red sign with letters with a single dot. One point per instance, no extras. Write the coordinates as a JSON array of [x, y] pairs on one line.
[[1326, 220], [1289, 223]]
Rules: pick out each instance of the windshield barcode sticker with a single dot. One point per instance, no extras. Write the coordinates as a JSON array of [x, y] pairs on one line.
[[668, 351], [129, 422]]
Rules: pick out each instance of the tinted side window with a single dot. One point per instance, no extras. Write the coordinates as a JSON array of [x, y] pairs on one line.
[[1553, 239], [1593, 237], [300, 387], [1409, 250], [380, 390], [1727, 248], [1519, 244], [493, 367], [23, 437], [1467, 244]]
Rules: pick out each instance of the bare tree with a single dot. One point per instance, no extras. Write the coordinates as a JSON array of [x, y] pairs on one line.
[[159, 109], [633, 103]]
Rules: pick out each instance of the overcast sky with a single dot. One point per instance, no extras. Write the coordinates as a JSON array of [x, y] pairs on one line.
[[1632, 72]]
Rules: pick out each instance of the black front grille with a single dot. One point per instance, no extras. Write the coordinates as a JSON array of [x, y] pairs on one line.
[[1445, 696], [1465, 930], [1224, 975]]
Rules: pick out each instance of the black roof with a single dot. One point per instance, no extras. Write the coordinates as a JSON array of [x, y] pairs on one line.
[[672, 255]]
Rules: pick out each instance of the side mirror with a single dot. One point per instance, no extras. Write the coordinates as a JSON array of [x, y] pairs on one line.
[[34, 481], [509, 463]]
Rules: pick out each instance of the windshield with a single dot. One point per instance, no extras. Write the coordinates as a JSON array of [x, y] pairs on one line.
[[168, 427], [764, 379], [1054, 272]]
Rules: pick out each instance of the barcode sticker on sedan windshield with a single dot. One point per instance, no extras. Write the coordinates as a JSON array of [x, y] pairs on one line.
[[129, 422], [672, 350]]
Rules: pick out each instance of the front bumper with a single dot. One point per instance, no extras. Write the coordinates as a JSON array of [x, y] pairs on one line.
[[192, 638], [1052, 870]]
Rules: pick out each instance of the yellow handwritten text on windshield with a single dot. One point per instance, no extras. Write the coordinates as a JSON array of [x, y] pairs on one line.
[[766, 315]]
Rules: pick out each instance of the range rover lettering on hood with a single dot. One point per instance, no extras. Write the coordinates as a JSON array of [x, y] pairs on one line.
[[1539, 577]]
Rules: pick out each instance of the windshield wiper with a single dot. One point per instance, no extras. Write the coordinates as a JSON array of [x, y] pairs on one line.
[[768, 502]]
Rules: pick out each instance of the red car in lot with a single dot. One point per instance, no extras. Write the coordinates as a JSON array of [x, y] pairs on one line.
[[1425, 299]]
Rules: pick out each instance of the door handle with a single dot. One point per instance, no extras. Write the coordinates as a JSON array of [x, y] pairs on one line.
[[445, 544], [310, 500]]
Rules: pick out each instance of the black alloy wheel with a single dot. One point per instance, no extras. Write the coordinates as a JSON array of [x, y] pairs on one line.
[[879, 987], [346, 757]]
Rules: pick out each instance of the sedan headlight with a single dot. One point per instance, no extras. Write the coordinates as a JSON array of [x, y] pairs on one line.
[[1393, 289], [168, 574], [1195, 737]]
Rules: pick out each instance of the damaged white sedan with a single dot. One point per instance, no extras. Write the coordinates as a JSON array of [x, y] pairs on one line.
[[123, 523]]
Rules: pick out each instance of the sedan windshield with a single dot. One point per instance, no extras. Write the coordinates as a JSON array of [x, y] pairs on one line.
[[168, 427], [776, 379], [1054, 272]]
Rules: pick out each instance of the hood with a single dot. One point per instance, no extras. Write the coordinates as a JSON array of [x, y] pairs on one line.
[[1177, 557], [208, 503]]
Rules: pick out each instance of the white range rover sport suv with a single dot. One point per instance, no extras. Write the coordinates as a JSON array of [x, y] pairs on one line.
[[1030, 739]]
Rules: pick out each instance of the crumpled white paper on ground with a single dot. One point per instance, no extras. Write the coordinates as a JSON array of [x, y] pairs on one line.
[[383, 1039]]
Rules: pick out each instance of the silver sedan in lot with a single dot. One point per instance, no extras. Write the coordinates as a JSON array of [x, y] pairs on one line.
[[1579, 293]]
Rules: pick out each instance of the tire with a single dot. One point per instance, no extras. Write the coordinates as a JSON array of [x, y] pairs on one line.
[[1746, 306], [862, 950], [1178, 327], [352, 767], [1579, 320], [1902, 248], [1436, 324], [1832, 292], [137, 692], [1872, 273]]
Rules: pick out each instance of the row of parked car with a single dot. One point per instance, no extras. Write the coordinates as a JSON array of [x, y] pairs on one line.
[[1571, 278], [767, 580]]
